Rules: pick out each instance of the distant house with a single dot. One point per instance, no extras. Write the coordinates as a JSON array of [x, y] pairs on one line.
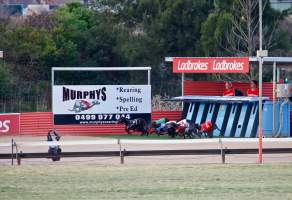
[[27, 2], [36, 9], [11, 10], [29, 7], [281, 4]]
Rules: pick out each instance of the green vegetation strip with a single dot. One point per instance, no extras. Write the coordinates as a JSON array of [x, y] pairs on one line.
[[146, 182]]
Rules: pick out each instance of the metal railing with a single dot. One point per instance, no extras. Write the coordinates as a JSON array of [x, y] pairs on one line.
[[122, 152]]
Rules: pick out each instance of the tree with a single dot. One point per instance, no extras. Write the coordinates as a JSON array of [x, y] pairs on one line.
[[27, 49], [156, 29], [232, 30]]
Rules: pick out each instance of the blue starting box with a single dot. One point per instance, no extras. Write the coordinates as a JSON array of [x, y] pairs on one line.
[[236, 116]]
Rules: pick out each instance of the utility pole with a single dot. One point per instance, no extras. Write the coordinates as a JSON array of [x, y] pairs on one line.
[[261, 54]]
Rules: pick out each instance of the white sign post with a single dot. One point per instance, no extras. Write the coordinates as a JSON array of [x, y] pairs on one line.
[[1, 54]]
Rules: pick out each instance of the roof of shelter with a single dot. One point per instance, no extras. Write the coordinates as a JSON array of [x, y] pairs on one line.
[[267, 60], [216, 99], [271, 60]]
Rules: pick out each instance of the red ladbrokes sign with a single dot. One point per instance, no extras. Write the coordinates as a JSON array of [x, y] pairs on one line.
[[9, 124], [211, 65]]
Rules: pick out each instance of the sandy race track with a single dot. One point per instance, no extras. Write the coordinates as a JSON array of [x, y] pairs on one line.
[[86, 143]]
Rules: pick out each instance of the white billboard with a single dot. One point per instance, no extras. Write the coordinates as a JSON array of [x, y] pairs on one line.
[[100, 104]]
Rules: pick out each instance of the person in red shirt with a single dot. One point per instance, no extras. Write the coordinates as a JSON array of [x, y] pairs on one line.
[[229, 90], [253, 91]]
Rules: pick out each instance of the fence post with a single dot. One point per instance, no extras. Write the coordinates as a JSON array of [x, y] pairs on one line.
[[123, 156], [12, 151], [18, 159], [223, 156], [222, 151], [120, 147]]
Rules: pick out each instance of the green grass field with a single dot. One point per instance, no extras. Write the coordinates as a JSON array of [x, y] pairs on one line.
[[173, 182]]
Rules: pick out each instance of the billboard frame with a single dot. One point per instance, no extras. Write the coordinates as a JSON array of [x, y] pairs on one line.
[[54, 69]]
